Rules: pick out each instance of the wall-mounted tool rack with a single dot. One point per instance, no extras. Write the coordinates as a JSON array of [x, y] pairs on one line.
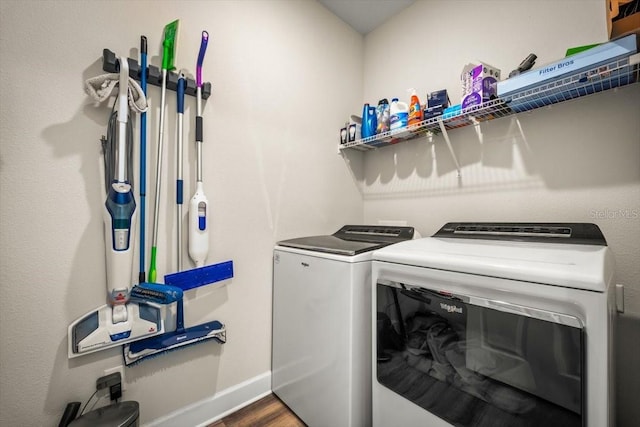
[[110, 64]]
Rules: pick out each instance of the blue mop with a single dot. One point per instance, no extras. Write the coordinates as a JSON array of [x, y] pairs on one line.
[[138, 351], [154, 292], [201, 276], [143, 158]]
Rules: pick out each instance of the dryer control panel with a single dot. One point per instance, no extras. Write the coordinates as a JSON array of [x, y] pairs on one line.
[[375, 233], [573, 233]]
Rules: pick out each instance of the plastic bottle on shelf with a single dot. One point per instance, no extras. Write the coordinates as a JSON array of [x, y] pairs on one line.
[[399, 114], [415, 109], [369, 122], [382, 116]]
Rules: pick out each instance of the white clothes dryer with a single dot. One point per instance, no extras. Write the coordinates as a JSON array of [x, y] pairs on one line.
[[321, 354], [494, 325]]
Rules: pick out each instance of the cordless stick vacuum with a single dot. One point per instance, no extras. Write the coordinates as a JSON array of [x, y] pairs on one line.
[[119, 211], [120, 320], [199, 205]]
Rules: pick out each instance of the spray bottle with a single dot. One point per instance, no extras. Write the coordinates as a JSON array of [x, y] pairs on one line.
[[415, 110]]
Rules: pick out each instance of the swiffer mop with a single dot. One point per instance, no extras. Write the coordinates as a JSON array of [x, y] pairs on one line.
[[120, 321], [138, 351], [168, 52], [199, 205]]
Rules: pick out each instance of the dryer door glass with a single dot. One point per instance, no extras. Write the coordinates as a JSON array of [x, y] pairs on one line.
[[477, 362]]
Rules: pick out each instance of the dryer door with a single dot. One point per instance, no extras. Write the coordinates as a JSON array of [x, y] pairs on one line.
[[476, 362]]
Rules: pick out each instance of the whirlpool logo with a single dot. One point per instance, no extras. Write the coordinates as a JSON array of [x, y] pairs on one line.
[[451, 308]]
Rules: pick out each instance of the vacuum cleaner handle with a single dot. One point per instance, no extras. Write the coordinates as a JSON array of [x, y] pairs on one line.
[[143, 161]]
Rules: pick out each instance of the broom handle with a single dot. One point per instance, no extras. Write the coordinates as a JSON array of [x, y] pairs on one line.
[[156, 211], [143, 159]]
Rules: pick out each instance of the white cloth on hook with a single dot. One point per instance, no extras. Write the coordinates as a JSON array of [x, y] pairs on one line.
[[100, 87]]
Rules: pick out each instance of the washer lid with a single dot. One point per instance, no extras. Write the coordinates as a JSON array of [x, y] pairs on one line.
[[331, 244], [352, 239]]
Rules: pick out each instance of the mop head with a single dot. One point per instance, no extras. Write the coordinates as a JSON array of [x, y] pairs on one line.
[[99, 88], [153, 292], [138, 351]]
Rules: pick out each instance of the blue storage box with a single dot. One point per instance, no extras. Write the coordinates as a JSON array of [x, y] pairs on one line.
[[603, 67]]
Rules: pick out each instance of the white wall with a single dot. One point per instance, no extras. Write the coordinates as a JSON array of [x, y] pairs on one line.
[[285, 74], [578, 161]]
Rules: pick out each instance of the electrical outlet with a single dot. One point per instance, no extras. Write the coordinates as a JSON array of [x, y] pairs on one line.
[[113, 371]]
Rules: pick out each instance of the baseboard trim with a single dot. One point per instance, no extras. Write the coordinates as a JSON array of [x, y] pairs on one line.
[[210, 410]]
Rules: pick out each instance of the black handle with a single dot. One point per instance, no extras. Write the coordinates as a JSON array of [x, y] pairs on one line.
[[70, 413]]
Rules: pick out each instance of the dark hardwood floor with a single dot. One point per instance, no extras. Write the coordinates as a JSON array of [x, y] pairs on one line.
[[266, 412]]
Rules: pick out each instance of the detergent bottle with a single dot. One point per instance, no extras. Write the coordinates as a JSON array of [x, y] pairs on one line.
[[382, 116], [369, 122], [399, 114], [415, 110]]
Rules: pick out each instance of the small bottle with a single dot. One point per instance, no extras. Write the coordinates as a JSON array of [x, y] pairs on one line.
[[415, 110]]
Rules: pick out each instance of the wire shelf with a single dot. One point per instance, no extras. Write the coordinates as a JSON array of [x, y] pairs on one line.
[[614, 74]]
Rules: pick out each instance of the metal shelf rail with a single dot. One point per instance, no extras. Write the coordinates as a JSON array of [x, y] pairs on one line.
[[617, 73]]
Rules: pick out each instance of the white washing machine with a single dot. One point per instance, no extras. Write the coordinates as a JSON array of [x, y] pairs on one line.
[[321, 323], [494, 325]]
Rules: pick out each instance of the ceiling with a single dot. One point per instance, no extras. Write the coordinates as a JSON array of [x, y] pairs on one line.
[[365, 15]]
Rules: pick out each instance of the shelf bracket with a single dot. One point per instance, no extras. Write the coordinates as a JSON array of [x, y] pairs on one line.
[[448, 141], [111, 64]]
